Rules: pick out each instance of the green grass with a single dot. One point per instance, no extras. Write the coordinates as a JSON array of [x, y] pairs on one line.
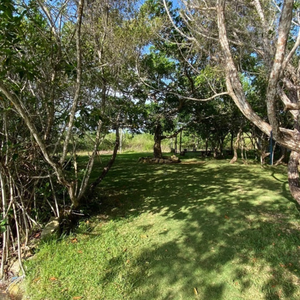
[[128, 143], [142, 143], [203, 229]]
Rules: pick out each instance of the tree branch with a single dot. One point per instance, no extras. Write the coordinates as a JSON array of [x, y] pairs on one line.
[[283, 33], [78, 80], [233, 83]]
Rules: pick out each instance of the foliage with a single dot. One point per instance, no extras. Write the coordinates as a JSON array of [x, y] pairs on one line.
[[57, 85], [72, 73]]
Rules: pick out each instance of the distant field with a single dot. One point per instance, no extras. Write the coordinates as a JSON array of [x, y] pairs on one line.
[[128, 143], [202, 229]]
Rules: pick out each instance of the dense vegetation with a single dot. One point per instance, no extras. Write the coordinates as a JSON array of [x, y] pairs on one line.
[[86, 76]]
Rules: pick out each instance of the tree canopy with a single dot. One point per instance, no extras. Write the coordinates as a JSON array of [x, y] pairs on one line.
[[74, 69]]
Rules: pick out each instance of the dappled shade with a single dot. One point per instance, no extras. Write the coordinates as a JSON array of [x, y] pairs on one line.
[[196, 230]]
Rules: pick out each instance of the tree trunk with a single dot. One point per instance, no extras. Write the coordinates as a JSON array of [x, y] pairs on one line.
[[180, 142], [283, 136], [157, 142], [278, 162], [221, 146], [157, 148], [235, 147], [215, 152], [283, 157], [263, 155], [231, 142], [293, 175], [109, 164]]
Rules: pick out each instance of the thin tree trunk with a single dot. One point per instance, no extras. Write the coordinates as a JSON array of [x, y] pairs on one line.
[[109, 164], [244, 150], [235, 147], [283, 156], [221, 146], [5, 233], [78, 81], [278, 162], [18, 238], [231, 142], [84, 183], [180, 142]]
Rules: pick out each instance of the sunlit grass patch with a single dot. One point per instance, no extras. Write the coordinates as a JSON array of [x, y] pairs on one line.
[[185, 231]]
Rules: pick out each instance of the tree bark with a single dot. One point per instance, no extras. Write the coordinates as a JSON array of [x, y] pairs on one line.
[[293, 175], [233, 83], [285, 137], [78, 81], [157, 147], [157, 142], [276, 72]]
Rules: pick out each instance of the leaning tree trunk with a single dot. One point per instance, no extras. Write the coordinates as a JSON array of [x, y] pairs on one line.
[[293, 175], [282, 157], [109, 164], [235, 147]]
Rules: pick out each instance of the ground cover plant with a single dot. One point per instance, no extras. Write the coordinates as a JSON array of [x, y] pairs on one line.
[[202, 229]]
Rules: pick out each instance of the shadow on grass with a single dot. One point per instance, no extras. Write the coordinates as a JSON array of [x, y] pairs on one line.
[[230, 230]]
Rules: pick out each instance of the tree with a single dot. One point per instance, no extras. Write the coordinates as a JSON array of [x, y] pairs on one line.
[[163, 108], [268, 32], [169, 78], [57, 85], [35, 75], [216, 120]]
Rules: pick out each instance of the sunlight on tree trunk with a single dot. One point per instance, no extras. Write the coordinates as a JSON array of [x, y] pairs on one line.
[[293, 175]]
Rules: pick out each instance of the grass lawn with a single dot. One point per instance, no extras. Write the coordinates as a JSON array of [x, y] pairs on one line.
[[202, 229]]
